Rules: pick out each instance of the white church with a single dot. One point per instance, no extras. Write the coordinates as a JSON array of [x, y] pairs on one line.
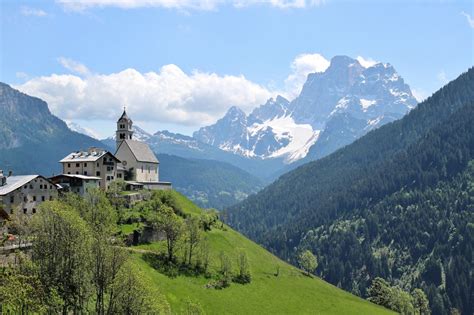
[[133, 162], [138, 161]]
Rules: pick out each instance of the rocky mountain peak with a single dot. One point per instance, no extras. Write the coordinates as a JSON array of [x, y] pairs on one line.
[[366, 97], [274, 107]]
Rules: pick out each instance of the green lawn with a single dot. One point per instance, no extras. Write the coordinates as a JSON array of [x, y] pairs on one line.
[[129, 228], [289, 293]]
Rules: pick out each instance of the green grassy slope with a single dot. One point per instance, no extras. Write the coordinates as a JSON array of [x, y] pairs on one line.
[[289, 293]]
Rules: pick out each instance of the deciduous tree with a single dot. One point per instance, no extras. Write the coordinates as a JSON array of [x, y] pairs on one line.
[[308, 262]]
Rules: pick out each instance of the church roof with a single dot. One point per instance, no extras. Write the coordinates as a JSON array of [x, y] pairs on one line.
[[141, 151], [124, 116]]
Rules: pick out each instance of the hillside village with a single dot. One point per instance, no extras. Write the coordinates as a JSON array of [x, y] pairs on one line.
[[133, 162]]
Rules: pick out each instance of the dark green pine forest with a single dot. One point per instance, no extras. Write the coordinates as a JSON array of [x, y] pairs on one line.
[[397, 204]]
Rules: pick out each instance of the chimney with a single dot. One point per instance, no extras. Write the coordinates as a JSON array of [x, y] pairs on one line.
[[10, 173], [3, 179]]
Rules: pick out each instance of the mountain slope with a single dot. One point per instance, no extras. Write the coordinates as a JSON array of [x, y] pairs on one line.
[[429, 148], [210, 184], [32, 140], [334, 108], [288, 293]]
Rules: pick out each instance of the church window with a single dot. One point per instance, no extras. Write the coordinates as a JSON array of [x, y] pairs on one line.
[[50, 198], [85, 164], [85, 173], [69, 173], [77, 164], [43, 198], [41, 186], [25, 199], [122, 136], [24, 210], [77, 173], [34, 210], [34, 198], [12, 199], [68, 164], [97, 173], [31, 186]]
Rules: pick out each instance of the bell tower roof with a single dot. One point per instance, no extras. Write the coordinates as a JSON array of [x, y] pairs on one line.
[[124, 115]]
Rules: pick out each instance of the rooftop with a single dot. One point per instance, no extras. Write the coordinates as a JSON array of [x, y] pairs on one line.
[[91, 155], [78, 176], [141, 151], [15, 182]]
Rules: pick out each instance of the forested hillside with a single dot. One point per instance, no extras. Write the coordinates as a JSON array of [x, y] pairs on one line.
[[208, 183], [398, 204], [82, 262]]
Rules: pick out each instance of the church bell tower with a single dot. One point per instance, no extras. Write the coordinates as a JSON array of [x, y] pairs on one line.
[[124, 129]]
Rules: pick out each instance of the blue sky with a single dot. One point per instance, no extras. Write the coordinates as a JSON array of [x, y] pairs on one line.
[[189, 60]]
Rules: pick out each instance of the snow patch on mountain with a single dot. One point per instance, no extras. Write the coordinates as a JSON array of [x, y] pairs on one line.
[[299, 136], [366, 103], [79, 129]]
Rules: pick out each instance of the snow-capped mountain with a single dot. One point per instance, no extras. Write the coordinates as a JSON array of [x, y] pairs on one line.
[[334, 108], [165, 142], [79, 129]]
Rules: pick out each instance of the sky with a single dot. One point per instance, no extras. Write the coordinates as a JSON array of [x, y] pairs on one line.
[[180, 64]]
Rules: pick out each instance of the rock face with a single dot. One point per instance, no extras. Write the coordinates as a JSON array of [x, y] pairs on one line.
[[32, 140], [334, 108]]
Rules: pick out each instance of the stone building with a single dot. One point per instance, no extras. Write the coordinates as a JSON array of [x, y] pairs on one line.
[[24, 193], [93, 162]]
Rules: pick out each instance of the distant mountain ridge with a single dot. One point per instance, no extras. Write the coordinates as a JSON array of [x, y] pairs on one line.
[[334, 108]]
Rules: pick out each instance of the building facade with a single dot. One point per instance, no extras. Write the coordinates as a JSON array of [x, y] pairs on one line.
[[25, 193], [93, 162], [79, 184], [138, 160]]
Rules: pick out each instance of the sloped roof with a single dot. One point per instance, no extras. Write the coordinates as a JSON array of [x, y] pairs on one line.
[[124, 116], [15, 182], [141, 151], [77, 176], [86, 156]]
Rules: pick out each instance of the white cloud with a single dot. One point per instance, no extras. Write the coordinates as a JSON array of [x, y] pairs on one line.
[[469, 19], [282, 4], [442, 78], [73, 66], [81, 5], [27, 11], [22, 75], [419, 94], [366, 62], [167, 96], [301, 66]]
